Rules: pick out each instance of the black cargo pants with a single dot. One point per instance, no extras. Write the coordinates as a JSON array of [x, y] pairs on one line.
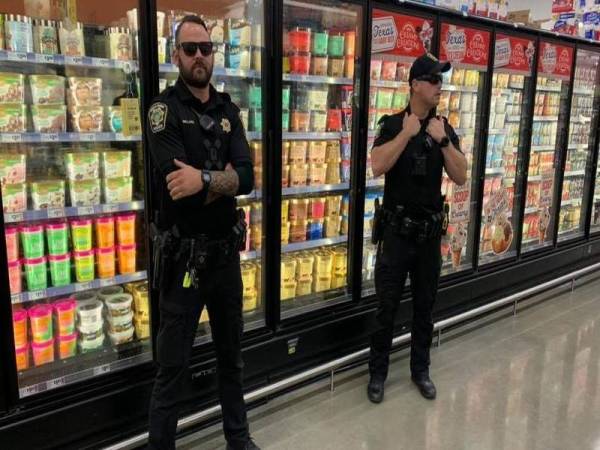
[[396, 258], [180, 308]]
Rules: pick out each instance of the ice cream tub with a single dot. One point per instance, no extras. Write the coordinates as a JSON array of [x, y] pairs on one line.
[[13, 118], [20, 328], [300, 121], [317, 99], [47, 89], [107, 293], [12, 169], [376, 69], [335, 67], [85, 91], [14, 277], [86, 296], [317, 174], [140, 301], [126, 229], [43, 353], [82, 166], [118, 190], [65, 311], [298, 174], [335, 46], [45, 37], [67, 346], [288, 290], [89, 315], [123, 336], [40, 319], [285, 232], [22, 357], [115, 119], [288, 269], [142, 328], [318, 121], [57, 236], [48, 194], [314, 229], [11, 236], [71, 39], [60, 269], [12, 88], [320, 42], [19, 33], [106, 262], [297, 152], [85, 192], [32, 238], [249, 300], [127, 259], [84, 266], [317, 151], [299, 63], [87, 119], [105, 232], [89, 345], [119, 323], [298, 230], [322, 283], [81, 231], [319, 65], [118, 305]]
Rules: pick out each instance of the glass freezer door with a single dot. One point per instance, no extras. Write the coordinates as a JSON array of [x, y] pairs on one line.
[[577, 174], [511, 80], [321, 42], [390, 63], [72, 176], [549, 127], [461, 102], [236, 30]]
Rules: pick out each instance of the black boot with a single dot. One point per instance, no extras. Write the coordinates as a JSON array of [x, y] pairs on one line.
[[425, 385], [375, 390]]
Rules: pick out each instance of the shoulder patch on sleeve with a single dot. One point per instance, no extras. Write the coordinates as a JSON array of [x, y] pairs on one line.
[[157, 116], [380, 125]]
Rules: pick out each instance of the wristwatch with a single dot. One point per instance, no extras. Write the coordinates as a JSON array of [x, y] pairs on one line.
[[445, 142], [206, 178]]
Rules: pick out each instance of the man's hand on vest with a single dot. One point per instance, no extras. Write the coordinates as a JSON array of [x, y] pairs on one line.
[[411, 125], [185, 181], [436, 129]]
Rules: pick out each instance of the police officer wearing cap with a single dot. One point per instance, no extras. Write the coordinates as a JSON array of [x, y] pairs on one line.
[[201, 161], [412, 148]]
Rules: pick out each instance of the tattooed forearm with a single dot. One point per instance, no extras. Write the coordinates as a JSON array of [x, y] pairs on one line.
[[224, 183]]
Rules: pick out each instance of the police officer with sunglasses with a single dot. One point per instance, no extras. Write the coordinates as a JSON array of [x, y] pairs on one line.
[[201, 162], [412, 148]]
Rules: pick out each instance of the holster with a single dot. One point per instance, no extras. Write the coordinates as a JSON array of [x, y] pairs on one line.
[[164, 245], [429, 224], [378, 226]]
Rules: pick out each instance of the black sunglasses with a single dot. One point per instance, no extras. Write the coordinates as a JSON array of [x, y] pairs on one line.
[[433, 79], [190, 48]]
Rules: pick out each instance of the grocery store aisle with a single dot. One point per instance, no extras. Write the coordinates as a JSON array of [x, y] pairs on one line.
[[527, 382]]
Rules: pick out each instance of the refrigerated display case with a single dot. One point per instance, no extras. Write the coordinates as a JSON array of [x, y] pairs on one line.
[[507, 140], [547, 145], [319, 78], [389, 66], [236, 30], [462, 103], [72, 176], [577, 174]]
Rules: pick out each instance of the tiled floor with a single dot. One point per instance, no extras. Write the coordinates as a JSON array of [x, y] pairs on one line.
[[526, 382]]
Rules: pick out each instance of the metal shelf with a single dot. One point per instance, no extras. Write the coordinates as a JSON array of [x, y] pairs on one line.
[[507, 91], [72, 211], [62, 60], [217, 71], [531, 210], [571, 202], [254, 135], [583, 91], [300, 190], [534, 178], [548, 88], [389, 84], [495, 171], [306, 245], [85, 374], [495, 131], [543, 148], [579, 147], [77, 287], [545, 118], [454, 88], [247, 256], [581, 119], [575, 173], [32, 138], [293, 136], [377, 182], [317, 79], [513, 118]]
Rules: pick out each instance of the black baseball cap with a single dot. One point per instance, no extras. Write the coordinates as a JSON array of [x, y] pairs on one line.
[[427, 64]]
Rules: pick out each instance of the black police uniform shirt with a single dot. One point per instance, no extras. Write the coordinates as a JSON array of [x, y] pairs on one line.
[[175, 132], [401, 186]]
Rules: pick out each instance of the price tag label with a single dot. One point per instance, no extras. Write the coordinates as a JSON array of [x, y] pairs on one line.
[[101, 370], [17, 56], [44, 59], [85, 210], [74, 60], [11, 138], [111, 208], [30, 390], [57, 382], [80, 287], [130, 110], [37, 295], [54, 213], [50, 137], [14, 217], [87, 137], [106, 282], [102, 62], [15, 299]]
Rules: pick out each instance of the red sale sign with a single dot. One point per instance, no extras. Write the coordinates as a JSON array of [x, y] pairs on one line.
[[464, 47], [555, 61], [513, 54], [561, 6], [400, 35]]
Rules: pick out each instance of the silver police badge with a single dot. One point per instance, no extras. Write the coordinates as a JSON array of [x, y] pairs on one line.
[[226, 125], [158, 117]]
